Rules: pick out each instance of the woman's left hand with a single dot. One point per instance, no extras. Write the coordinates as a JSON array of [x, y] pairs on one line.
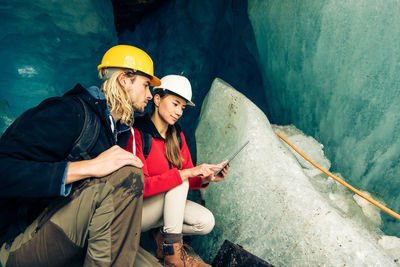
[[221, 176]]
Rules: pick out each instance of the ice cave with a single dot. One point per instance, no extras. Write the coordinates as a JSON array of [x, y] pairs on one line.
[[325, 74]]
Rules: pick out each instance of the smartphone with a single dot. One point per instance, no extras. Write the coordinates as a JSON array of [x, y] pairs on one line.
[[231, 158]]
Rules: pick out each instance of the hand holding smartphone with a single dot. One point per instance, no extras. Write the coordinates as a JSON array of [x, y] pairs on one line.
[[231, 158]]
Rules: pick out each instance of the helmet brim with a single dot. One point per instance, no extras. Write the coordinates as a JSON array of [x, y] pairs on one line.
[[155, 81], [188, 102]]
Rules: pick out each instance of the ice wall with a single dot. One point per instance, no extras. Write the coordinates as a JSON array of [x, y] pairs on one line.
[[201, 40], [275, 207], [333, 70], [49, 46]]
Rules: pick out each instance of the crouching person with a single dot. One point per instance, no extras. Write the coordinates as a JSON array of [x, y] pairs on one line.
[[159, 142], [69, 194]]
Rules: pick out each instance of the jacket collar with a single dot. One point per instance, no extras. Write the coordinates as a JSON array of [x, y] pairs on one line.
[[96, 92], [144, 124]]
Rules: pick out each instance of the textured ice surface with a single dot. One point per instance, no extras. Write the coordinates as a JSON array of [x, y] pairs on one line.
[[5, 115], [49, 46], [271, 203], [201, 40], [392, 246], [332, 69], [297, 138]]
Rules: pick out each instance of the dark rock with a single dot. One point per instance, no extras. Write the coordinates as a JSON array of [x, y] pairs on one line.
[[128, 13], [232, 255]]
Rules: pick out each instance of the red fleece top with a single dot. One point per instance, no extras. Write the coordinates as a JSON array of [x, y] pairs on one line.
[[159, 177]]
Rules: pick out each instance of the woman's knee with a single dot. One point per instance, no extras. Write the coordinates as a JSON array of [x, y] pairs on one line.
[[199, 220], [208, 222]]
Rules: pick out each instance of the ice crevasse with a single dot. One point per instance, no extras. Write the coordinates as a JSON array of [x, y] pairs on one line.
[[274, 204]]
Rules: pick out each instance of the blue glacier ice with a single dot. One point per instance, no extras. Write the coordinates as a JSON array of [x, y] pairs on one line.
[[6, 118], [201, 40], [272, 202], [329, 67], [332, 69], [49, 46]]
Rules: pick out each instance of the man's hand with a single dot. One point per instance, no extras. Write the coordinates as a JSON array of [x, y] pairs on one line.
[[107, 162]]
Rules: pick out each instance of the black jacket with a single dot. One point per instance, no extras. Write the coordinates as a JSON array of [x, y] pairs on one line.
[[33, 153]]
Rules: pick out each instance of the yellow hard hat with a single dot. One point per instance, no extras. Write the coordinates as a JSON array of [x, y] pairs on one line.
[[129, 57]]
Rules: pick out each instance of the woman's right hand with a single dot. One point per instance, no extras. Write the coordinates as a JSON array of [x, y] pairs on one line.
[[203, 170]]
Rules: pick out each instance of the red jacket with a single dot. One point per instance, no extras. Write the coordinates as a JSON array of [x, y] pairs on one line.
[[159, 176]]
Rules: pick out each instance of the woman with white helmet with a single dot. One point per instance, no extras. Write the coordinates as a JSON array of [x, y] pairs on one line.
[[169, 173]]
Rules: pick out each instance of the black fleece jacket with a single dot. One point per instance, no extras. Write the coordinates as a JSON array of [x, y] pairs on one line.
[[33, 153]]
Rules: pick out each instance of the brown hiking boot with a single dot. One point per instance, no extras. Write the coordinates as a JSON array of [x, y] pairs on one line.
[[176, 256], [159, 239]]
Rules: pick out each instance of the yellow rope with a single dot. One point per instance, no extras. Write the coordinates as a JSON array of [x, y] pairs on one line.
[[385, 209]]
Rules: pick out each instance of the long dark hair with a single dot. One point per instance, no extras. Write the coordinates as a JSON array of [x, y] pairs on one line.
[[171, 147]]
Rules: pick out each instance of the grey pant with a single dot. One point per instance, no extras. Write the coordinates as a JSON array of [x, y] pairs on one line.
[[99, 226]]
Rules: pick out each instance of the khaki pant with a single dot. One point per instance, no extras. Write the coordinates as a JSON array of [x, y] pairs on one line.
[[99, 226]]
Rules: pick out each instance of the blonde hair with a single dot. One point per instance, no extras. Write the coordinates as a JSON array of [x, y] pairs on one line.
[[117, 98]]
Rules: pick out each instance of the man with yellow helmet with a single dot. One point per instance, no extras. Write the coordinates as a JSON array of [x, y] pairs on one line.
[[69, 194]]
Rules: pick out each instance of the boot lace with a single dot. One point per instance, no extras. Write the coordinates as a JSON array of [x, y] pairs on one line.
[[187, 260]]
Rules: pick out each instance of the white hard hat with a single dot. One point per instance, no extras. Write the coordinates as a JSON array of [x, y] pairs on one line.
[[178, 85]]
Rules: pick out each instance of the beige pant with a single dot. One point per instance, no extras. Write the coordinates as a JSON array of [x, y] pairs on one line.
[[176, 214]]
